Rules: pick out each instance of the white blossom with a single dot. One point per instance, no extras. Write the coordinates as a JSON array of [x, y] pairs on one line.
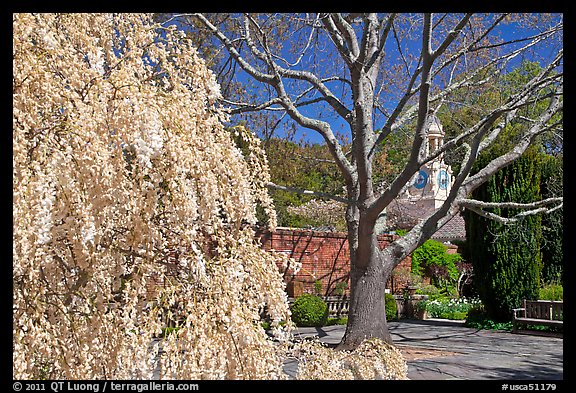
[[214, 93], [48, 39], [44, 215], [126, 185], [88, 231], [96, 60], [149, 142]]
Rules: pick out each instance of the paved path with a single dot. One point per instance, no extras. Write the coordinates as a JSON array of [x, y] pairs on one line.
[[475, 354]]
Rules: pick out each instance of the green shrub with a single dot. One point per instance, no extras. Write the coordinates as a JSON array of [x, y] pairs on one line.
[[391, 307], [309, 310], [432, 252], [337, 321], [552, 223], [551, 292], [479, 319], [431, 290], [432, 259]]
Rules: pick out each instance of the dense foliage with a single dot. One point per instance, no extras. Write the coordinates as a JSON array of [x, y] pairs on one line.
[[551, 292], [391, 307], [507, 259], [432, 260], [309, 310], [553, 223]]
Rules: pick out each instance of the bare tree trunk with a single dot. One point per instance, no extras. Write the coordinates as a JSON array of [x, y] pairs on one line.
[[369, 272]]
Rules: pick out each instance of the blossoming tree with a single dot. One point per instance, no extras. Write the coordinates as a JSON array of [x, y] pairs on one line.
[[121, 162], [121, 158]]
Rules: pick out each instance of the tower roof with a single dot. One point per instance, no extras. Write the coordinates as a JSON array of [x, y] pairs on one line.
[[434, 126]]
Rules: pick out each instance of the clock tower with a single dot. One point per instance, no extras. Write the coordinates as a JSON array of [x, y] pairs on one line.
[[431, 185], [425, 193]]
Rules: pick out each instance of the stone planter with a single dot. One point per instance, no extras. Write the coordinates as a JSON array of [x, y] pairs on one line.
[[421, 314], [407, 305], [411, 290]]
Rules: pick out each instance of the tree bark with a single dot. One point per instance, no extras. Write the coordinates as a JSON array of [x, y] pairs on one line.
[[369, 271]]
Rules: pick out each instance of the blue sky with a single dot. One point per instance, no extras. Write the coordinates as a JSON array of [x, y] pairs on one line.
[[507, 31]]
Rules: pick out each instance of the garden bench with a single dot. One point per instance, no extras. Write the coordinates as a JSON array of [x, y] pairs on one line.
[[538, 312]]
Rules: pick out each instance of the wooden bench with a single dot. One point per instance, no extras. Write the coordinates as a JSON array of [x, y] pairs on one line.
[[538, 312]]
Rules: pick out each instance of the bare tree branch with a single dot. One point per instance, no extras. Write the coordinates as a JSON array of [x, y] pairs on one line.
[[468, 203], [316, 82], [394, 121], [417, 151], [538, 207], [275, 80], [451, 36], [337, 39], [246, 107], [369, 45], [493, 166], [308, 42], [348, 33], [378, 54], [253, 72]]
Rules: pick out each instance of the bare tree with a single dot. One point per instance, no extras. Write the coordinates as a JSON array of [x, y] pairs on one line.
[[387, 74]]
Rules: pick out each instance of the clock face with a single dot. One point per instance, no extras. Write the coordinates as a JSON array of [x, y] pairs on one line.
[[421, 179], [443, 179]]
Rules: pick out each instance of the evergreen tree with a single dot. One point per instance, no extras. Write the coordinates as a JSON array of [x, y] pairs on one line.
[[507, 258], [553, 223]]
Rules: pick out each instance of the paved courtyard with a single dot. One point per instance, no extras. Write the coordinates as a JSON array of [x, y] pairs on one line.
[[438, 349]]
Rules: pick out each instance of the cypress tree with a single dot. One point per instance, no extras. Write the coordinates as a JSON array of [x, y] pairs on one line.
[[507, 259], [553, 223]]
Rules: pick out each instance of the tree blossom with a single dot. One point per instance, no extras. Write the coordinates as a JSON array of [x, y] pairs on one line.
[[121, 158], [124, 175]]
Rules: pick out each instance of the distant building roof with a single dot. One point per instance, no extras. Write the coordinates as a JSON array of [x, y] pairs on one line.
[[405, 214], [455, 229]]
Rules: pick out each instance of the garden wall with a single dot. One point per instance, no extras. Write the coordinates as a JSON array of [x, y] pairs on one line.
[[324, 257]]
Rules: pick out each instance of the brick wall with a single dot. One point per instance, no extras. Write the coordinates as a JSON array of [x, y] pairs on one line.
[[324, 257]]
